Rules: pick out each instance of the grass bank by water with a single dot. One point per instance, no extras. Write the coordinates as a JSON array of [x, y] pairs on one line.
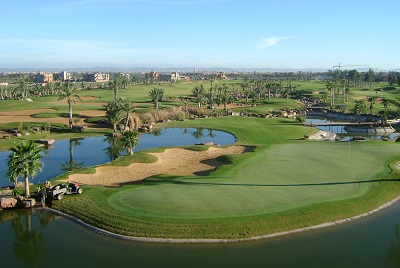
[[286, 183]]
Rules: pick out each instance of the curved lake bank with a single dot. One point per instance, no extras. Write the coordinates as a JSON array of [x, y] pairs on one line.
[[367, 242], [213, 241]]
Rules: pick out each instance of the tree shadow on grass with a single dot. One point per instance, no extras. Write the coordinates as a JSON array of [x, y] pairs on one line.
[[173, 180]]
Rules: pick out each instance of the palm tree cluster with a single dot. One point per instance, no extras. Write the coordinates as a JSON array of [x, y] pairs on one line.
[[256, 90], [119, 110]]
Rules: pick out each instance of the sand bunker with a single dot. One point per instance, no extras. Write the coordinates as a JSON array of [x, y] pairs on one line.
[[176, 161]]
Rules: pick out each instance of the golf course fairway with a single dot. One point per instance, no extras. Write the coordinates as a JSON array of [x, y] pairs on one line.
[[284, 182]]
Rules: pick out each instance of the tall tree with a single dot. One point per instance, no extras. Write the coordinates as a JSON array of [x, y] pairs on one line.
[[113, 114], [331, 88], [199, 93], [211, 92], [156, 95], [383, 114], [371, 101], [126, 106], [70, 94], [370, 77], [130, 140], [116, 84], [359, 107], [25, 160]]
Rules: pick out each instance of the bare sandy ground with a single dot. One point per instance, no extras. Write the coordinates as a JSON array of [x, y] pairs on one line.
[[176, 161]]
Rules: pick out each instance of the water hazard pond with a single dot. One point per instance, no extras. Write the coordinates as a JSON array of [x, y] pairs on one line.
[[70, 154], [41, 239]]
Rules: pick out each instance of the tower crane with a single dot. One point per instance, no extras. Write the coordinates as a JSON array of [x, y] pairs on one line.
[[340, 66]]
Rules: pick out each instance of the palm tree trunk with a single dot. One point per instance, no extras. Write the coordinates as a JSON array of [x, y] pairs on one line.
[[70, 114], [27, 186]]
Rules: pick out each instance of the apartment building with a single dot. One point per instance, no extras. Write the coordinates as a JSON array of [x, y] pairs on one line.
[[96, 77]]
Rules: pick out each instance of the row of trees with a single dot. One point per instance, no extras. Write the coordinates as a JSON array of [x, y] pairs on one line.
[[248, 89], [361, 105]]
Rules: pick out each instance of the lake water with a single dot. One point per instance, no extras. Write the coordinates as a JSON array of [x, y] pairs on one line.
[[70, 154], [342, 134], [51, 240]]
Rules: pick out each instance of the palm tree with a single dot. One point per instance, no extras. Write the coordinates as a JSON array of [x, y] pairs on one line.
[[199, 93], [126, 106], [115, 84], [359, 106], [371, 101], [113, 114], [70, 94], [24, 160], [125, 81], [330, 88], [130, 139], [225, 98], [211, 92], [383, 114], [246, 90], [157, 95]]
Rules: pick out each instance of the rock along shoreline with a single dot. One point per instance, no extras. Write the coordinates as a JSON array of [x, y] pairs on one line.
[[211, 240]]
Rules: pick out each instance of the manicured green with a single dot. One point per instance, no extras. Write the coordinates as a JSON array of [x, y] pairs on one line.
[[282, 183]]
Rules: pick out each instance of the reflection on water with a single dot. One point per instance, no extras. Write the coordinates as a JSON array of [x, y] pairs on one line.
[[343, 135], [70, 154], [393, 255], [71, 164], [115, 148], [38, 238], [29, 244]]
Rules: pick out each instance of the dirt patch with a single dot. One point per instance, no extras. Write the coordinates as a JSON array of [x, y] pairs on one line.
[[176, 161], [25, 116]]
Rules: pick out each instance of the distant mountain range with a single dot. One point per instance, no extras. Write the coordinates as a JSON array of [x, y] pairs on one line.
[[178, 69]]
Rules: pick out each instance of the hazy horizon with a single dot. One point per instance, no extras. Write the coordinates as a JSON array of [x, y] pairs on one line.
[[200, 33]]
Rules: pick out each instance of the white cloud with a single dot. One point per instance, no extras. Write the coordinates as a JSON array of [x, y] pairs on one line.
[[270, 41]]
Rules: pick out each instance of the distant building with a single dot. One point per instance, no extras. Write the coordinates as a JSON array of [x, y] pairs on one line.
[[172, 77], [63, 76], [43, 77], [221, 76], [151, 77], [96, 77], [4, 84], [184, 77]]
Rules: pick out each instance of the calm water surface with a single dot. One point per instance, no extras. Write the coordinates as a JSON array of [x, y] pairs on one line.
[[70, 154], [342, 134], [51, 240]]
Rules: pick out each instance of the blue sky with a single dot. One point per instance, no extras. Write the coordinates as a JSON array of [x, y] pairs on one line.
[[199, 33]]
